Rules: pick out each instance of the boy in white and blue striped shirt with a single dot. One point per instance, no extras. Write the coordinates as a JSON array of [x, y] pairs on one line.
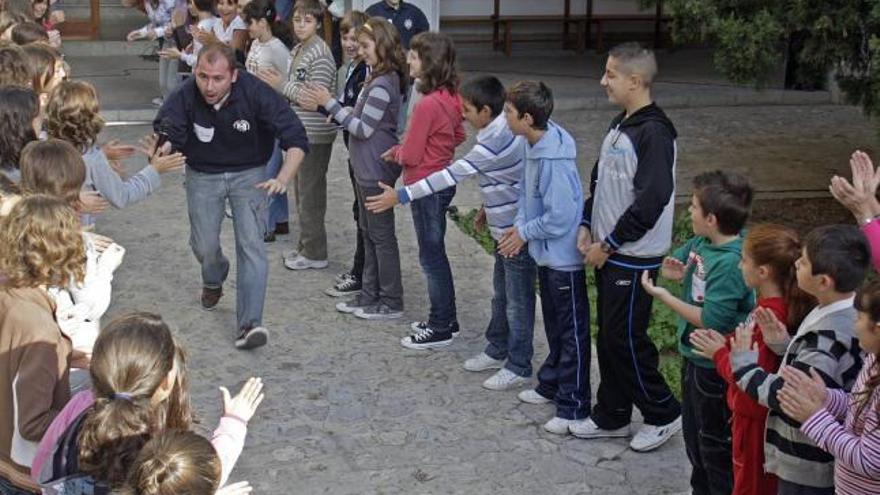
[[497, 159]]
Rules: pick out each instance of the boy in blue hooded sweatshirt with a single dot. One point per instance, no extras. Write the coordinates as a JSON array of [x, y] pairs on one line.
[[549, 212]]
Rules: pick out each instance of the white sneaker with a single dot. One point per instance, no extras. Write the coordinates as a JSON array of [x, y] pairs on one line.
[[483, 362], [589, 430], [649, 437], [303, 263], [558, 426], [531, 397], [290, 255], [503, 379]]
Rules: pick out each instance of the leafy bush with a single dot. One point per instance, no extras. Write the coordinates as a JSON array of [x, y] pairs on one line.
[[664, 322]]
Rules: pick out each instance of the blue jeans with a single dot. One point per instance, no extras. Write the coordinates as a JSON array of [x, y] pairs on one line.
[[279, 210], [512, 325], [429, 220], [205, 197], [7, 488], [565, 375]]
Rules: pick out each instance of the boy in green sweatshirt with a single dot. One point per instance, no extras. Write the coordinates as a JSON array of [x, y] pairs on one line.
[[714, 296]]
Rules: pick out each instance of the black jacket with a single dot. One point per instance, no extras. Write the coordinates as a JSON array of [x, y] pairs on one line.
[[239, 136]]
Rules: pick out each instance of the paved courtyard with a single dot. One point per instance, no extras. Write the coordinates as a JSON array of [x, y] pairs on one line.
[[348, 411]]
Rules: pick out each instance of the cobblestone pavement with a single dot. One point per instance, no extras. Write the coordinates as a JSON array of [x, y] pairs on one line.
[[349, 411]]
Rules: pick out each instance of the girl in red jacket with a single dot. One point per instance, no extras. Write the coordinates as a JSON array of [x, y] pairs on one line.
[[768, 257], [434, 131]]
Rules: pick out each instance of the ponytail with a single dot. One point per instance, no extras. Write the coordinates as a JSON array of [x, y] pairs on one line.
[[778, 247], [131, 360], [175, 462]]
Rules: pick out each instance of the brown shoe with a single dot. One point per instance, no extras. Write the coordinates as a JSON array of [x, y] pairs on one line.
[[282, 228], [210, 297]]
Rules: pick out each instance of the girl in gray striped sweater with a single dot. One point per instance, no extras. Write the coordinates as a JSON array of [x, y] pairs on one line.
[[372, 127]]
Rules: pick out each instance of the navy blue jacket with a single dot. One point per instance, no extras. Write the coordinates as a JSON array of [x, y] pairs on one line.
[[239, 136], [407, 18]]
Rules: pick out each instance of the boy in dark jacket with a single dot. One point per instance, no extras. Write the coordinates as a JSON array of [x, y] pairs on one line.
[[627, 228]]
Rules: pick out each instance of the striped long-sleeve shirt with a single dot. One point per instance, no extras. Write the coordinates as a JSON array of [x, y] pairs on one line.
[[372, 127], [855, 444], [825, 342], [313, 62], [498, 160]]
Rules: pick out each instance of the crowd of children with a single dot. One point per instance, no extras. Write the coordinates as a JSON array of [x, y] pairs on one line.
[[778, 335]]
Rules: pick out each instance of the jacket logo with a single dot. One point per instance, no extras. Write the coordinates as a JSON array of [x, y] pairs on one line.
[[408, 24], [623, 283], [241, 125], [301, 74]]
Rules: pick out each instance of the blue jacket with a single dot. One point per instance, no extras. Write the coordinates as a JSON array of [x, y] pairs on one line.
[[551, 201], [239, 136]]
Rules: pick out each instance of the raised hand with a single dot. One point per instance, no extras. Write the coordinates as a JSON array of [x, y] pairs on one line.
[[706, 342], [801, 395], [650, 288], [91, 202], [742, 339], [116, 151], [164, 161], [245, 404], [772, 330], [672, 269], [271, 77], [170, 53]]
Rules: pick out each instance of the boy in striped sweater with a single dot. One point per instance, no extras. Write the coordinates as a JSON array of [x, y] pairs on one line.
[[834, 262], [311, 62], [497, 159]]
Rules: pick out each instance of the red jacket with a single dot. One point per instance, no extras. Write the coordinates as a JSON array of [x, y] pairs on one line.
[[737, 400], [435, 130]]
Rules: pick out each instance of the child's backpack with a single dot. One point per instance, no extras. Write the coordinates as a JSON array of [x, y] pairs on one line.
[[60, 474]]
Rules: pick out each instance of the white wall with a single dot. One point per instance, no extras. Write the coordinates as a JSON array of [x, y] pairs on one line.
[[525, 7]]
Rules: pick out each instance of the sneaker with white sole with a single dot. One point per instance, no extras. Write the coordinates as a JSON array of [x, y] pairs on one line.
[[378, 312], [503, 379], [558, 426], [650, 437], [418, 326], [427, 339], [352, 305], [483, 362], [531, 397], [588, 429], [348, 286], [290, 255], [251, 338], [303, 263]]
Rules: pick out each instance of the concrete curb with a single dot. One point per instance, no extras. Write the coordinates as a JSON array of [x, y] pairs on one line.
[[105, 48]]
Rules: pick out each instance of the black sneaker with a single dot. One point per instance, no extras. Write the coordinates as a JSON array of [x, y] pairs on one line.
[[251, 338], [418, 326], [210, 297], [348, 286], [378, 312], [427, 339]]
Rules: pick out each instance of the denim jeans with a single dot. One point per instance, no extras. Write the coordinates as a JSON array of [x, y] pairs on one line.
[[706, 429], [565, 375], [789, 488], [429, 220], [279, 208], [205, 198], [357, 266], [512, 325], [7, 488]]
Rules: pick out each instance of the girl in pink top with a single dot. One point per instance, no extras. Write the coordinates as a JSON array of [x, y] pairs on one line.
[[139, 390], [847, 425], [429, 146]]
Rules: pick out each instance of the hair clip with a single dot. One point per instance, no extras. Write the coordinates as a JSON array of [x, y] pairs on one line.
[[368, 27], [121, 395]]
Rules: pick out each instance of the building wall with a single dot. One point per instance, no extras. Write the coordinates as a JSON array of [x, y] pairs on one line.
[[525, 7]]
